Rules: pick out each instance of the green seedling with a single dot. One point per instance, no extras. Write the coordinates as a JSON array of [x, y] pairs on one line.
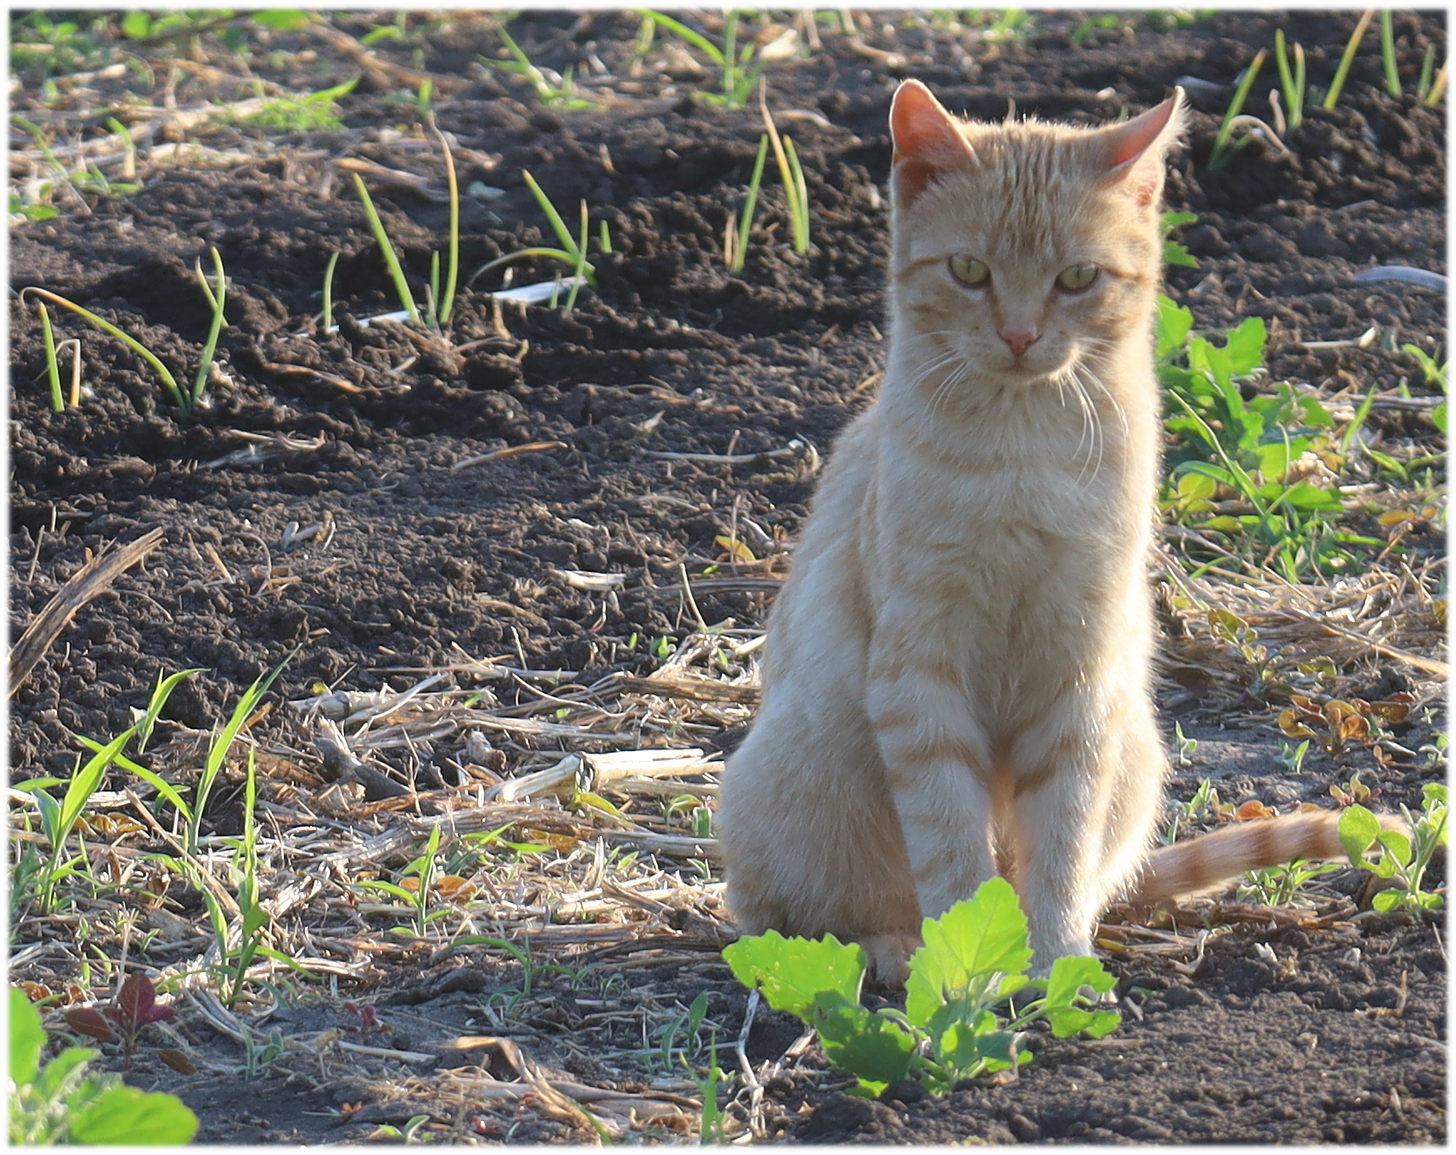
[[1430, 90], [328, 310], [443, 306], [216, 295], [58, 819], [217, 752], [954, 1027], [711, 1127], [1401, 858], [310, 112], [53, 371], [796, 192], [1292, 757], [1173, 251], [560, 93], [386, 247], [1292, 82], [422, 871], [1186, 746], [1387, 52], [1281, 885], [255, 918], [1332, 97], [1224, 146], [735, 234], [572, 251], [1435, 377], [737, 76], [62, 1103]]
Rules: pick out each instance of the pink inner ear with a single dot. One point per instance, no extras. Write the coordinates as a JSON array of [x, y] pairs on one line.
[[1128, 141], [922, 130]]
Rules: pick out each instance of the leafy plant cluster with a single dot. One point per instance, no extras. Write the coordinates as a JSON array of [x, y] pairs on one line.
[[1397, 856], [968, 1001], [60, 1102]]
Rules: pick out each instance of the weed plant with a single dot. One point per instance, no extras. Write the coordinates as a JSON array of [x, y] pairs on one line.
[[558, 93], [1292, 81], [310, 112], [736, 67], [1224, 146], [1337, 85], [791, 172]]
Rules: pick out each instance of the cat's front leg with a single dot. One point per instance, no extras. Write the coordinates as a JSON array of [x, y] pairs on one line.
[[938, 762], [1062, 793]]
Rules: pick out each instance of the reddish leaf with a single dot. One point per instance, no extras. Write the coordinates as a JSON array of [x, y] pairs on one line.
[[1253, 809], [136, 1004], [90, 1022]]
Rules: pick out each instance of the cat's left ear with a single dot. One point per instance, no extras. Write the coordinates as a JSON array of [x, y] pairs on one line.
[[1133, 153]]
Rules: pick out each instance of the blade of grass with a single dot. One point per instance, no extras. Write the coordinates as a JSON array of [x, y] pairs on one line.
[[401, 287], [1428, 66], [745, 221], [452, 264], [1293, 84], [1387, 52], [580, 260], [1221, 147], [1332, 97], [604, 237], [217, 298], [568, 242], [328, 315], [1438, 87], [786, 173], [168, 381], [697, 39], [53, 371], [801, 198]]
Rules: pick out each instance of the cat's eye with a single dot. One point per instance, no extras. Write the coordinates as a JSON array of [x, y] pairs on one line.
[[969, 271], [1075, 278]]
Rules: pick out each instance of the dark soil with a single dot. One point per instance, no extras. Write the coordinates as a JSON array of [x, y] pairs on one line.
[[1338, 1036]]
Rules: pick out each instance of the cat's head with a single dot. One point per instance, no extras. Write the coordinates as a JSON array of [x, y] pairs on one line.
[[1024, 248]]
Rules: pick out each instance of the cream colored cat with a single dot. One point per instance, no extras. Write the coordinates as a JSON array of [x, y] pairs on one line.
[[957, 673]]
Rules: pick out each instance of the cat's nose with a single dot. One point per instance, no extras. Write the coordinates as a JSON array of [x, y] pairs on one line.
[[1019, 339]]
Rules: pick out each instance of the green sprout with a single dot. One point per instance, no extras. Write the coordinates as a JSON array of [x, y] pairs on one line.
[[391, 259], [1292, 82], [1223, 146], [1332, 97], [735, 235]]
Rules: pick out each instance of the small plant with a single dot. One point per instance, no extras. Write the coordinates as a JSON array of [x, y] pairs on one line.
[[216, 295], [1186, 746], [1332, 97], [572, 251], [310, 112], [1224, 146], [973, 962], [53, 371], [737, 77], [417, 880], [796, 192], [1387, 52], [134, 1009], [386, 248], [1280, 885], [1400, 857], [560, 92], [1292, 82], [735, 234], [61, 1103], [1292, 757]]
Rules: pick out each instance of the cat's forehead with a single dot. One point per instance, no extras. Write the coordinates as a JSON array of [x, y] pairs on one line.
[[1030, 190]]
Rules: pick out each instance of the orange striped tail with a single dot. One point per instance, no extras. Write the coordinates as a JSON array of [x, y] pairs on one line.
[[1210, 861]]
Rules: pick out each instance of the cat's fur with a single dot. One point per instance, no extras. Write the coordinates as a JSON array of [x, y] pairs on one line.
[[957, 673]]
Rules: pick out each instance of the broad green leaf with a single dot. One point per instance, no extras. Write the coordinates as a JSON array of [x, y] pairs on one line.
[[63, 1070], [1433, 792], [868, 1045], [27, 1038], [1197, 485], [1246, 346], [1303, 495], [126, 1117], [1398, 845], [135, 25], [283, 19], [980, 936], [1068, 976], [1358, 831], [792, 971], [1174, 324], [1438, 417], [973, 1050]]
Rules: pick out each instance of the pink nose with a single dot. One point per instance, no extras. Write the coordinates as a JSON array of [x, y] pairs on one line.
[[1019, 339]]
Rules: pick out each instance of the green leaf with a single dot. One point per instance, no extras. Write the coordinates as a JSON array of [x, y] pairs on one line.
[[283, 19], [871, 1046], [974, 1049], [27, 1038], [1358, 831], [124, 1116], [136, 24], [792, 971], [1174, 324], [1438, 415], [1246, 346], [1398, 845], [1068, 976], [1303, 495], [983, 935]]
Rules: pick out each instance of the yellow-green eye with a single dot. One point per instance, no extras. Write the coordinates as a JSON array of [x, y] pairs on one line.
[[1075, 278], [969, 271]]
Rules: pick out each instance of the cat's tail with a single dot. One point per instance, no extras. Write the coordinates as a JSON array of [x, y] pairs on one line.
[[1210, 861]]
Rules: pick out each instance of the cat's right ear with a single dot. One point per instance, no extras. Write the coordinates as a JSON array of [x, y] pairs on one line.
[[927, 141]]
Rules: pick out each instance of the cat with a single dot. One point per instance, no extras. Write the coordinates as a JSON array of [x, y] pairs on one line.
[[957, 673]]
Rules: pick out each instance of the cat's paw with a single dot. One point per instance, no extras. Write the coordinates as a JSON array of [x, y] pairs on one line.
[[889, 956]]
